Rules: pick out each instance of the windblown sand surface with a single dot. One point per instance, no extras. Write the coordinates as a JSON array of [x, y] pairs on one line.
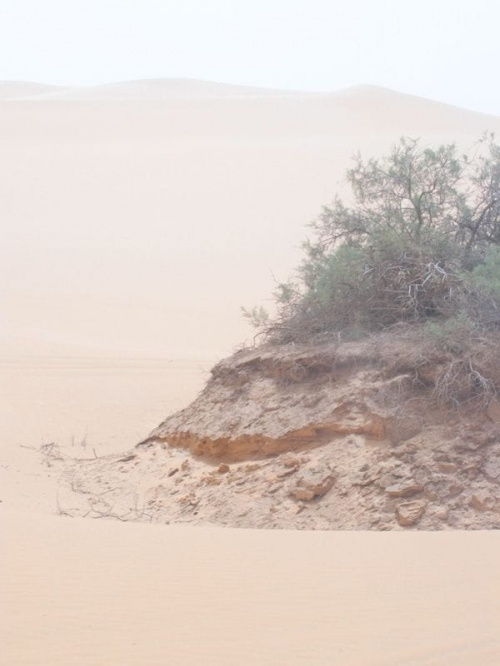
[[136, 219], [110, 594]]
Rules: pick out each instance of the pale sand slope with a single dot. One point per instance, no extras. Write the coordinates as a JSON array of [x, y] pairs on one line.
[[138, 229]]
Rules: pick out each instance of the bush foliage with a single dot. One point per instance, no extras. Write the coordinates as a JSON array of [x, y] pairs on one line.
[[420, 242]]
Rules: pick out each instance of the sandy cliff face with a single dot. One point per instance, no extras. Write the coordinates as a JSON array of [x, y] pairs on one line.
[[269, 401], [332, 436]]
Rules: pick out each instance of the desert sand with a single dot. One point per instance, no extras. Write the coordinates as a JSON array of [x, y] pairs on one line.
[[92, 592], [137, 218]]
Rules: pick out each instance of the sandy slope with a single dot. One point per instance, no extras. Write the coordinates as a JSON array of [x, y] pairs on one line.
[[138, 229], [126, 224]]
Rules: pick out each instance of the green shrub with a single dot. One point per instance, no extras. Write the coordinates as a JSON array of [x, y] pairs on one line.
[[420, 243], [487, 274]]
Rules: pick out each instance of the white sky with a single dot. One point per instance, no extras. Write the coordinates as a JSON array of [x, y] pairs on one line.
[[442, 49]]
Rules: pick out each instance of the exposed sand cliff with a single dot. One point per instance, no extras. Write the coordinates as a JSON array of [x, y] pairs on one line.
[[332, 436]]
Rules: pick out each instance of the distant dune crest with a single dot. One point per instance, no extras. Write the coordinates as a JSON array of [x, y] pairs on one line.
[[142, 89], [172, 89], [12, 90]]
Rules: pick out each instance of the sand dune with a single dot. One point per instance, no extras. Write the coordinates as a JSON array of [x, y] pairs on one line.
[[119, 216], [15, 90], [138, 229], [136, 219], [166, 89]]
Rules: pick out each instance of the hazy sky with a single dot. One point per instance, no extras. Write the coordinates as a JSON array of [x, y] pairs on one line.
[[443, 49]]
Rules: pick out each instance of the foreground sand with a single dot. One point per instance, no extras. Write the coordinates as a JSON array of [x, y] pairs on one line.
[[97, 593], [102, 593]]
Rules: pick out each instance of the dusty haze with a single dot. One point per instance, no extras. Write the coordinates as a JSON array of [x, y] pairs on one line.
[[137, 218]]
